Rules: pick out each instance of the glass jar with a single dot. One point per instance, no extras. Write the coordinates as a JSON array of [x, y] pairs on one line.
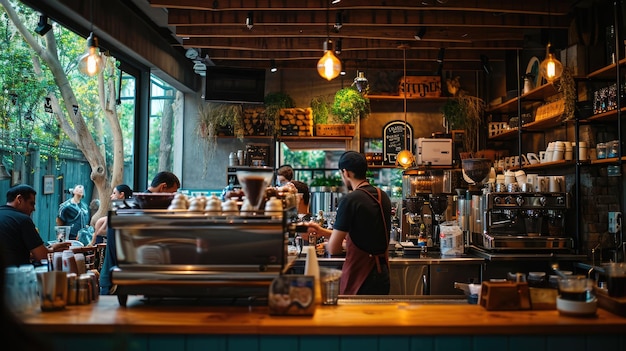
[[612, 148], [601, 151]]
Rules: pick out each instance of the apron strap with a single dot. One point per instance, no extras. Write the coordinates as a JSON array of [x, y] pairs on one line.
[[377, 257]]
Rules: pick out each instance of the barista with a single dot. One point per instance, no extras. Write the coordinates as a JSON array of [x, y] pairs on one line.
[[363, 219]]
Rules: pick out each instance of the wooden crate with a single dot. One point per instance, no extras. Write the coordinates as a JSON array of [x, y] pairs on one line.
[[335, 130], [296, 121]]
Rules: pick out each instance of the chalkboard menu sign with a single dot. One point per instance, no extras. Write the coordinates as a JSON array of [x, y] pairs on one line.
[[395, 140]]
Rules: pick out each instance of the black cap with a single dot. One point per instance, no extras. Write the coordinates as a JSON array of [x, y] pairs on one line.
[[355, 162]]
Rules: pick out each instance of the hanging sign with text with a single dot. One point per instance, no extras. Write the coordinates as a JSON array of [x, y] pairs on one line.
[[395, 140], [420, 86]]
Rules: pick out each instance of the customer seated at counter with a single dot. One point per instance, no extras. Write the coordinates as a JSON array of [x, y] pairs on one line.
[[120, 192], [363, 219], [284, 175], [19, 237], [163, 182]]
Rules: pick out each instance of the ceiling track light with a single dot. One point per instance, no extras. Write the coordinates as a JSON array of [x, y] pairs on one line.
[[43, 26], [343, 69], [273, 67], [484, 61], [440, 55], [338, 21], [250, 20], [419, 35], [338, 47]]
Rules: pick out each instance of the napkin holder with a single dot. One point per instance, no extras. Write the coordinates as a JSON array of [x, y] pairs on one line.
[[505, 296]]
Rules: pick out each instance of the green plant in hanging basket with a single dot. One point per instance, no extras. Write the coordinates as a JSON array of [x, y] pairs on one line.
[[349, 105]]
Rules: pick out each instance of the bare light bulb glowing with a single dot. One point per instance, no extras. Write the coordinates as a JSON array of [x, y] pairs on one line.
[[551, 68], [405, 159], [91, 62], [329, 65]]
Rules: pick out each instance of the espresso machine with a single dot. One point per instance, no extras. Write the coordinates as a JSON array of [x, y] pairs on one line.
[[522, 222]]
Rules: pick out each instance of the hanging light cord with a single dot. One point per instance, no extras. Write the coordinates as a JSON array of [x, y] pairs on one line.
[[404, 90]]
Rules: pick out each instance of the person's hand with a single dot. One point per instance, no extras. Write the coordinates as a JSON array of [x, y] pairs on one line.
[[56, 247], [313, 227]]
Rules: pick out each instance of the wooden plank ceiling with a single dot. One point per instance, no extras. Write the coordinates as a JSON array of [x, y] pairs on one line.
[[372, 32]]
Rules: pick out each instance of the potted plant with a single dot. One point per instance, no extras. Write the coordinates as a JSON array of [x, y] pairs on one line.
[[274, 102], [349, 105], [321, 106]]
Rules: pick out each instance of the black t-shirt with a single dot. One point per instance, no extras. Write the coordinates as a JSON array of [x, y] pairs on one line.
[[18, 235], [359, 215]]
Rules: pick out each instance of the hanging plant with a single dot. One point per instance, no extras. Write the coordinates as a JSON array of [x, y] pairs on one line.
[[465, 112], [214, 116], [349, 105], [566, 86], [274, 102]]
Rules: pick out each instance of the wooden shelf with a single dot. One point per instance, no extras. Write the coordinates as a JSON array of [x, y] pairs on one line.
[[607, 72], [401, 98], [316, 142], [609, 116], [532, 126], [607, 161], [537, 94]]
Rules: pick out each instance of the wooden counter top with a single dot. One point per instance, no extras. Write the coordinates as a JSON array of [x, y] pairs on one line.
[[106, 316]]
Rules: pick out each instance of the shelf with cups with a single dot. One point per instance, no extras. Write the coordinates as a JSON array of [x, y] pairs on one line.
[[538, 94], [535, 126]]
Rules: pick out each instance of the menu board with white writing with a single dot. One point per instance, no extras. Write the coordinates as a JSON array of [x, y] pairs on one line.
[[397, 136]]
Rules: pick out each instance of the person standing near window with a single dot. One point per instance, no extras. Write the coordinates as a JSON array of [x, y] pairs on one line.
[[74, 213]]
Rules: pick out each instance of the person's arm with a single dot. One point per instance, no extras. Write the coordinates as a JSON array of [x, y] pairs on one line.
[[41, 252], [335, 242]]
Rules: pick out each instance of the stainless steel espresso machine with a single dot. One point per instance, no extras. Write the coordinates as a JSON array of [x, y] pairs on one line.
[[521, 221]]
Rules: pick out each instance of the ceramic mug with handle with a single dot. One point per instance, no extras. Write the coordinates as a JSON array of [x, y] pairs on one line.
[[532, 158]]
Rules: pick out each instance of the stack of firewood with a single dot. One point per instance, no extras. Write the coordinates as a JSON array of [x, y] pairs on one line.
[[254, 121], [296, 121]]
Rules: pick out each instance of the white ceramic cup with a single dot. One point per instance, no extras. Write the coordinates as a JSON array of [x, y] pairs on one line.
[[532, 158], [520, 177], [555, 184], [542, 156], [509, 177], [542, 184], [533, 179]]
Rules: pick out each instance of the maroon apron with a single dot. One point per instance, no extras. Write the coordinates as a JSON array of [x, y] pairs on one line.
[[359, 263]]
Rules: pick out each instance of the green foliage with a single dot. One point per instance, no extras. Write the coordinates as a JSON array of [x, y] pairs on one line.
[[327, 181], [321, 106], [454, 114], [274, 102], [349, 105]]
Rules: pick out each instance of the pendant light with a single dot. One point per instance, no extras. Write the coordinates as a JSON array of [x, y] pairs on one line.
[[405, 158], [550, 68], [329, 65], [91, 62]]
